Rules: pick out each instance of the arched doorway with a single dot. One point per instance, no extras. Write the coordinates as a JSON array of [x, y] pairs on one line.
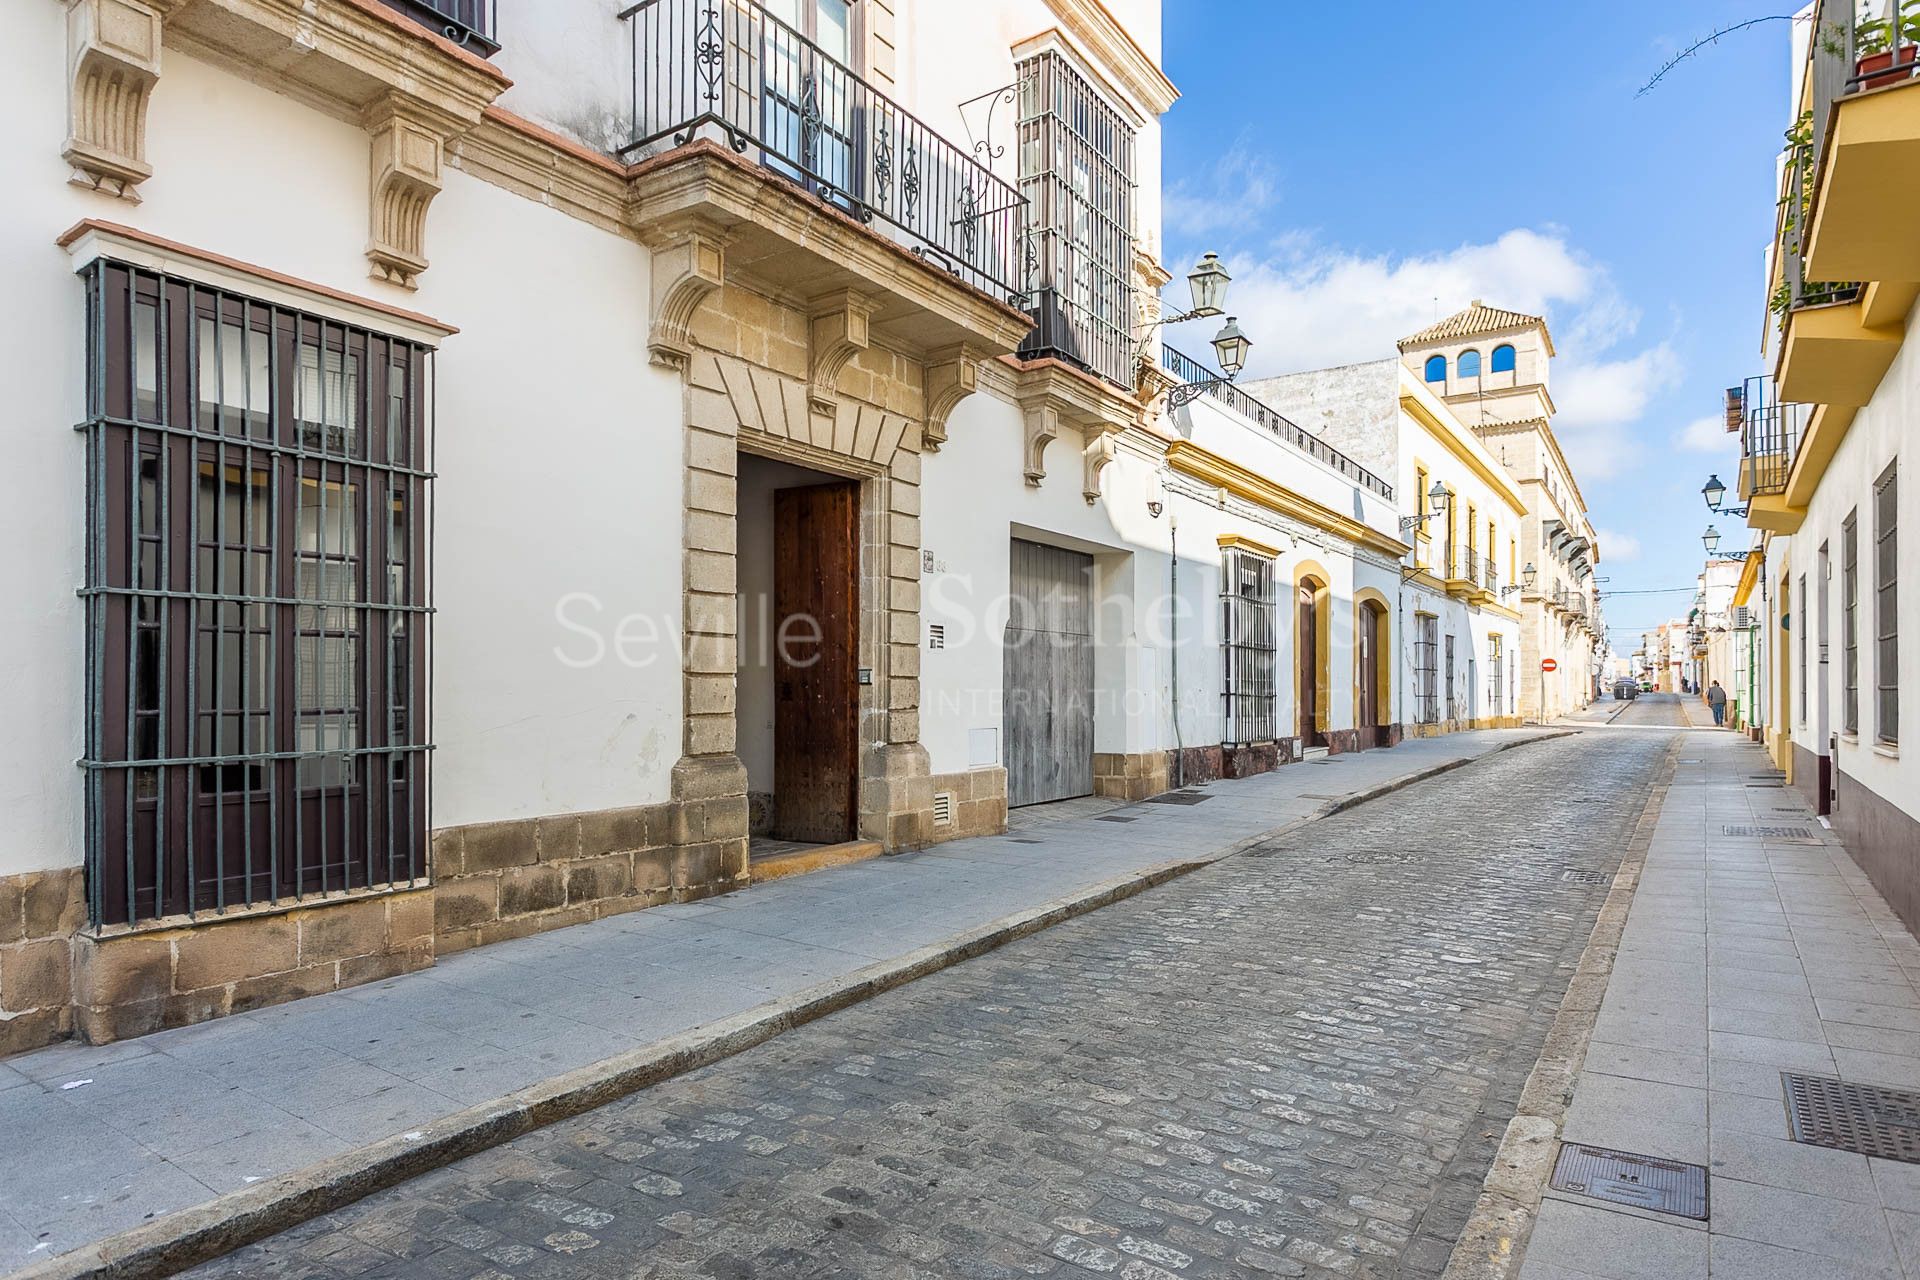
[[1310, 640]]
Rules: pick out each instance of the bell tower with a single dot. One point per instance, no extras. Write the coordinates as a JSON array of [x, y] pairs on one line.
[[1489, 365]]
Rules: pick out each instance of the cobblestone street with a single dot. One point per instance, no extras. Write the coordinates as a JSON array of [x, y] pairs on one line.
[[1297, 1062]]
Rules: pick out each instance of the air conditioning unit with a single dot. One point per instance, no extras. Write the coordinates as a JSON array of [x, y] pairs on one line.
[[1742, 617]]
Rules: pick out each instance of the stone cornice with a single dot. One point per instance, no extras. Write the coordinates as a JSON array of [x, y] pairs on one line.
[[350, 53], [548, 168], [707, 180], [1092, 26], [94, 238]]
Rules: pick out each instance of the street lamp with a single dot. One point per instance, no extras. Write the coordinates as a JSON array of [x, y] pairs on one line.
[[1528, 576], [1714, 492], [1437, 499], [1230, 347], [1208, 281], [1711, 541]]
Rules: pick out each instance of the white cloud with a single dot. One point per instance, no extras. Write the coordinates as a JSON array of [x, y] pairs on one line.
[[1600, 401], [1616, 548], [1240, 185], [1307, 305], [1704, 435]]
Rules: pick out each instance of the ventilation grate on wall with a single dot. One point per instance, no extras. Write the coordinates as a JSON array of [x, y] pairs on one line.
[[1862, 1118], [936, 635], [943, 808]]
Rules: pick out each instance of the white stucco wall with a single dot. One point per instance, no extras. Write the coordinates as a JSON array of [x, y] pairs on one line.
[[1876, 438], [550, 444]]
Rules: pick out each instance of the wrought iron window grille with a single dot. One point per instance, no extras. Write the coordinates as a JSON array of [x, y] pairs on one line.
[[1076, 164], [258, 602], [1249, 629]]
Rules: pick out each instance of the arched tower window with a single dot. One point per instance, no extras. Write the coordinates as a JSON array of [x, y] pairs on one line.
[[1503, 358], [1436, 368], [1469, 364]]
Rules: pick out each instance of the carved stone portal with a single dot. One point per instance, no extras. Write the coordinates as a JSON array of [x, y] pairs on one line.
[[113, 61]]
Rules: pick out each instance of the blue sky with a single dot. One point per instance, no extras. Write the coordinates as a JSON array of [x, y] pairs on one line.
[[1355, 162]]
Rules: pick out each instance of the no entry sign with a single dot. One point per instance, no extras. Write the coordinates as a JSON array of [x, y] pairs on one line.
[[1549, 664]]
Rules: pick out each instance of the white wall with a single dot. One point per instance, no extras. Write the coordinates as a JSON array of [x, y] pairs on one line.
[[1875, 439], [557, 445]]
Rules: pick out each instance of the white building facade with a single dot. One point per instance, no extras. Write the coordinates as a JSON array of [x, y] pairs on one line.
[[527, 471]]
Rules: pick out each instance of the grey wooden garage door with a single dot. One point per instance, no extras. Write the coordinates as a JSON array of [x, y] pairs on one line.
[[1049, 675]]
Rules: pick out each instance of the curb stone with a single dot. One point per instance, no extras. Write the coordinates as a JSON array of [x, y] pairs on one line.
[[1494, 1242], [188, 1237]]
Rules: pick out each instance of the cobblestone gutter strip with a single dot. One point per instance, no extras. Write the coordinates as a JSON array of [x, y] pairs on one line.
[[191, 1236], [1495, 1240]]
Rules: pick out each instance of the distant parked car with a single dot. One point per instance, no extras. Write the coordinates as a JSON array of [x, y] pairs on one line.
[[1626, 690]]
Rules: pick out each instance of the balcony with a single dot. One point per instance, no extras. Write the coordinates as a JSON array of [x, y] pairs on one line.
[[1189, 370], [1864, 138], [1770, 433], [468, 23], [777, 112]]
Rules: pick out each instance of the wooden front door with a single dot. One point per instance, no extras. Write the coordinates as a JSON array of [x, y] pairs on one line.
[[1048, 679], [1367, 654], [816, 641], [1307, 634]]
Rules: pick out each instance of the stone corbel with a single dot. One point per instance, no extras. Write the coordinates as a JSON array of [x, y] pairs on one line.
[[1152, 386], [953, 374], [113, 62], [1094, 460], [408, 145], [1043, 424], [838, 330], [689, 262]]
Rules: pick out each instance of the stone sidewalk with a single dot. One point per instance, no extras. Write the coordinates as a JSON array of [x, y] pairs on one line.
[[100, 1140], [1753, 946]]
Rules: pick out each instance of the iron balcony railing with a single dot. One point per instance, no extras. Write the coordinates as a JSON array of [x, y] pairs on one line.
[[1769, 438], [1855, 45], [1189, 370], [465, 22], [730, 71]]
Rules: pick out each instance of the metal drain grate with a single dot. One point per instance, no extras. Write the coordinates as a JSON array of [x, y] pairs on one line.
[[1587, 877], [1018, 840], [1853, 1117], [1179, 797], [1768, 832], [1645, 1182], [1108, 817]]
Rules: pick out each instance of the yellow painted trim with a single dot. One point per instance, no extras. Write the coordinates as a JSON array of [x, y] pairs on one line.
[[1500, 610], [1465, 448], [1429, 581], [1825, 430], [1204, 464], [1749, 578], [1382, 656], [1830, 355], [1231, 541], [1323, 632]]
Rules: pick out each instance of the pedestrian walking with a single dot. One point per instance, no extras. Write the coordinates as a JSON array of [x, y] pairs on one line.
[[1717, 699]]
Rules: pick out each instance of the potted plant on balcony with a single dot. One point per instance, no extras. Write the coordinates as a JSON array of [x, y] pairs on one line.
[[1880, 58]]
